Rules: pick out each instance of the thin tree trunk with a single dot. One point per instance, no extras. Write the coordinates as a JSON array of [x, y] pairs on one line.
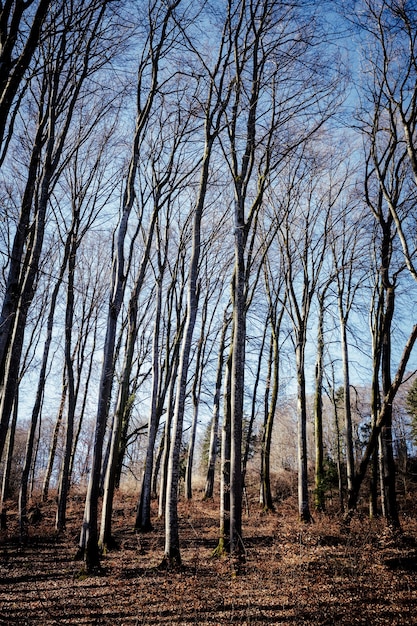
[[212, 455], [248, 441], [64, 481], [5, 487], [319, 494], [303, 503], [388, 464], [350, 459], [266, 493], [224, 529], [196, 398], [54, 442], [172, 554], [167, 443], [143, 516]]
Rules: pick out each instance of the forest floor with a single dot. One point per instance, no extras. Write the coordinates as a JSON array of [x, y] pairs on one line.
[[294, 574]]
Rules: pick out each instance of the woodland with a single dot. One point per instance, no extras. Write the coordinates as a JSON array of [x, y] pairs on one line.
[[208, 274]]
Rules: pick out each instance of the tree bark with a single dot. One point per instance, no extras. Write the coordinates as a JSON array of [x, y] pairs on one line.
[[212, 454]]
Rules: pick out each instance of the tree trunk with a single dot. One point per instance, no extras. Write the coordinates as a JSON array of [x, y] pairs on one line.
[[143, 517], [196, 399], [224, 530], [237, 384], [14, 66], [54, 442], [150, 61], [172, 554], [350, 460], [248, 438], [319, 494], [69, 367], [212, 454], [266, 493], [303, 504], [5, 486], [388, 464]]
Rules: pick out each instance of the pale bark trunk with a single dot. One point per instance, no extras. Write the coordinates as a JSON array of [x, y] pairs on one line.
[[212, 454], [237, 385], [143, 517], [350, 460], [266, 493], [224, 531], [196, 399], [167, 442], [320, 498], [54, 442], [303, 503], [172, 554], [64, 481]]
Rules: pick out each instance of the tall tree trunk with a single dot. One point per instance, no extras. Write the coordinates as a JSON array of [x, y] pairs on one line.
[[270, 408], [143, 516], [212, 454], [224, 530], [124, 392], [5, 486], [319, 493], [172, 554], [196, 399], [388, 463], [55, 436], [248, 437], [303, 503], [350, 459], [64, 481], [237, 385], [167, 441]]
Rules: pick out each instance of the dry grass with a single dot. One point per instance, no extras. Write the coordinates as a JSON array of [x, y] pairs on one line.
[[294, 574]]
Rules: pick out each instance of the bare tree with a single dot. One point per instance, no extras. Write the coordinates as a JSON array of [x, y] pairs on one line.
[[57, 99], [20, 35], [159, 36], [212, 110], [388, 122]]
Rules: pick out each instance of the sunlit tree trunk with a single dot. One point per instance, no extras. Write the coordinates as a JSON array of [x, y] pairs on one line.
[[319, 493], [212, 453], [223, 545], [8, 462]]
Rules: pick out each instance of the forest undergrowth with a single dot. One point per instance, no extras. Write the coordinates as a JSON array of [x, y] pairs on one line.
[[317, 574]]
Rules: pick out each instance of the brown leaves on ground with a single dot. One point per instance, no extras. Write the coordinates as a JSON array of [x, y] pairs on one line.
[[293, 574]]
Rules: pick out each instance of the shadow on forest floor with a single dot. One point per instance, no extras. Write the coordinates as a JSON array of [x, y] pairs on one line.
[[294, 574]]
